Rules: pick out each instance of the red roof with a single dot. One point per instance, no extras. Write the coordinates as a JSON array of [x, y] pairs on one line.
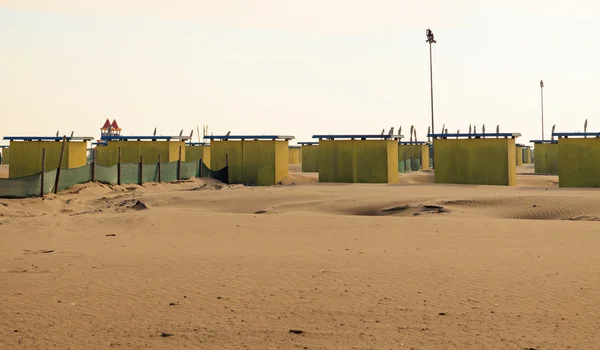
[[106, 124], [114, 124]]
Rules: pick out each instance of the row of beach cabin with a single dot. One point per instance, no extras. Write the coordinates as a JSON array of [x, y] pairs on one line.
[[487, 159]]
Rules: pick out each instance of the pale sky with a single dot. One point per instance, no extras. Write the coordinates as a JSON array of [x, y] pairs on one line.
[[298, 68]]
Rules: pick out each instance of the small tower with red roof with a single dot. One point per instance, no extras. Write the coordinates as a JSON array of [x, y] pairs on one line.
[[110, 129]]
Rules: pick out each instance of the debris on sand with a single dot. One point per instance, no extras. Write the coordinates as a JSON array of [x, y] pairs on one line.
[[139, 205]]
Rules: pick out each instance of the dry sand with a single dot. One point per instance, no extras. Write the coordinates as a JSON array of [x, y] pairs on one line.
[[413, 265]]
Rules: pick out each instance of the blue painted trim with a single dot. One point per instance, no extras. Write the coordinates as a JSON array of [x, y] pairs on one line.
[[567, 134], [543, 141], [480, 135], [358, 136], [419, 143], [46, 138], [250, 137], [125, 138]]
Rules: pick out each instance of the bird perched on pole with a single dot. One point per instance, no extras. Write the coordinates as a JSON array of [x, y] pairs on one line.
[[391, 132], [483, 129], [457, 132], [412, 128], [585, 128], [383, 131], [497, 130], [553, 128], [474, 129], [400, 130], [415, 132], [470, 129], [443, 128]]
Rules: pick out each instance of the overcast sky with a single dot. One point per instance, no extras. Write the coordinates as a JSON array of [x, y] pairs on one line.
[[296, 67]]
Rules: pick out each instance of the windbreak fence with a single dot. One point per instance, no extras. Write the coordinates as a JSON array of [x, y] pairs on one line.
[[130, 173], [409, 164]]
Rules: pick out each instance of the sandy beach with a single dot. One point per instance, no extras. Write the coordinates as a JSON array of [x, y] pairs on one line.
[[204, 265]]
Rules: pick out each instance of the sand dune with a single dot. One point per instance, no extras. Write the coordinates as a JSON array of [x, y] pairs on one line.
[[214, 266]]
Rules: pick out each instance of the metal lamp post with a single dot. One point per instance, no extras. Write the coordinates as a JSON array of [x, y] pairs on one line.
[[431, 40], [542, 101]]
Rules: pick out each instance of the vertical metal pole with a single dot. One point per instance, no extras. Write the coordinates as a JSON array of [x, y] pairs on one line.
[[179, 166], [60, 160], [200, 162], [43, 171], [159, 168], [542, 101], [431, 86], [141, 169], [93, 164], [119, 168]]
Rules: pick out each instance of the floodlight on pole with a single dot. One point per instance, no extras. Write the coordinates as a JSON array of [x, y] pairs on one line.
[[431, 40]]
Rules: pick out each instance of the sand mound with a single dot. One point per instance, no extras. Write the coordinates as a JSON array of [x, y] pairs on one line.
[[531, 180], [300, 178], [542, 202], [401, 210], [416, 178], [531, 207]]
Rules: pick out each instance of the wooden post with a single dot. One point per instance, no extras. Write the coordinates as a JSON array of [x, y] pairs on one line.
[[93, 164], [159, 168], [141, 170], [227, 166], [119, 168], [60, 159], [179, 165], [43, 171]]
